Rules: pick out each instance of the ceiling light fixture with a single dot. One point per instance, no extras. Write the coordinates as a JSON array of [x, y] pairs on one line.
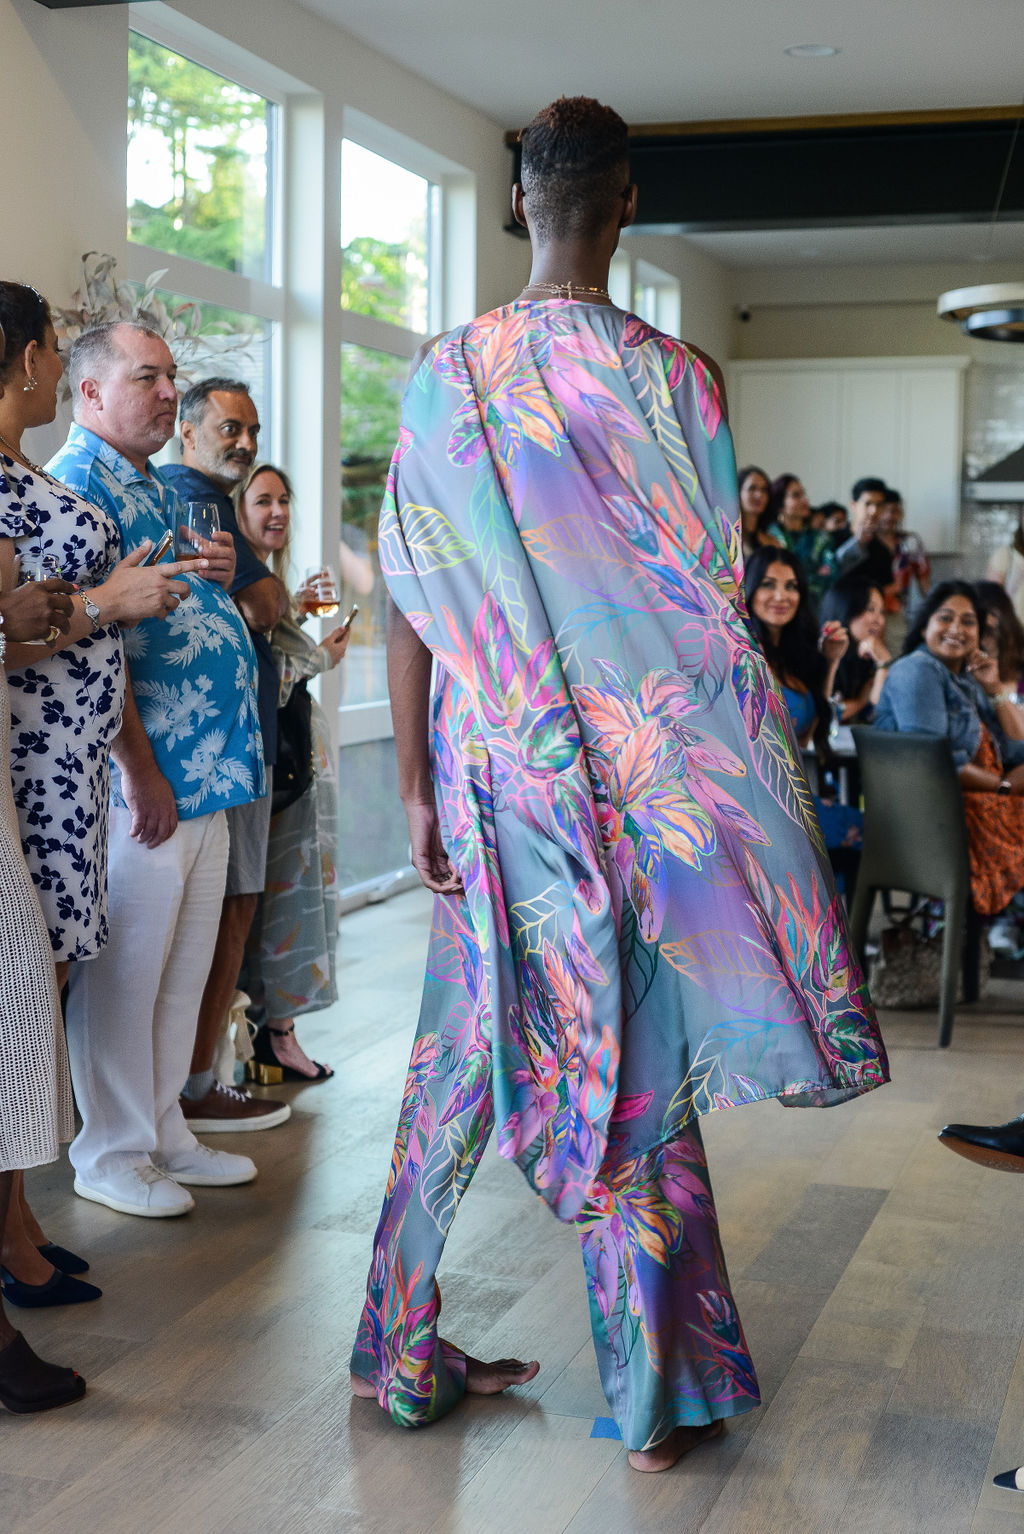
[[811, 51], [994, 312]]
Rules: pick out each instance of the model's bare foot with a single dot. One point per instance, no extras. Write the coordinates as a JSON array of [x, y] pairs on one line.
[[481, 1379], [671, 1449], [491, 1379]]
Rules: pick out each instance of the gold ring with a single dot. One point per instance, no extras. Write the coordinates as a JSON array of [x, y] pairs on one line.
[[53, 634]]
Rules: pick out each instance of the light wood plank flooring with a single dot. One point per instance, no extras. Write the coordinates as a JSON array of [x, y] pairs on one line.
[[879, 1278]]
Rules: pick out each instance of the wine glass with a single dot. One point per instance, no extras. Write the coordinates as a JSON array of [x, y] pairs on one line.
[[321, 586], [194, 521], [37, 566]]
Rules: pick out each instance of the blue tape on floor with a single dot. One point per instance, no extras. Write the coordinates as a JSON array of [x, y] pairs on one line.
[[605, 1427]]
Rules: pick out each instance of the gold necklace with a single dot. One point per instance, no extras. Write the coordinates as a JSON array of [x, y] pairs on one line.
[[17, 454], [568, 290]]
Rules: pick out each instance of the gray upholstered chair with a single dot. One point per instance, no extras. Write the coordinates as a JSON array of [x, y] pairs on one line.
[[915, 838]]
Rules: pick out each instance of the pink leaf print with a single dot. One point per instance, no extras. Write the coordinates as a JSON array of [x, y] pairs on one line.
[[499, 691], [631, 1107], [542, 679], [751, 690], [705, 392]]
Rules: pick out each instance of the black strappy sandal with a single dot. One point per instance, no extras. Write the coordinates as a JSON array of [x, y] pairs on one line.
[[263, 1054]]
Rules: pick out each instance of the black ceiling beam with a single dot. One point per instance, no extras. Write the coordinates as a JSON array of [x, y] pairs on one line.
[[875, 172]]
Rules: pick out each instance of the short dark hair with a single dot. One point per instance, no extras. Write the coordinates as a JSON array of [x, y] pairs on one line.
[[863, 486], [575, 166], [931, 604], [24, 317], [193, 401], [893, 496]]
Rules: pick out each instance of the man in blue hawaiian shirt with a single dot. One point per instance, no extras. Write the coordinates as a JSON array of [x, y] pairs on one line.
[[189, 748], [220, 429]]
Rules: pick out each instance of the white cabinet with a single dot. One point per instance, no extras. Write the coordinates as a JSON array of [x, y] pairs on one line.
[[834, 420]]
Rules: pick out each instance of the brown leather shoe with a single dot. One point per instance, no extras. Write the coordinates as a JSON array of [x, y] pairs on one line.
[[226, 1110]]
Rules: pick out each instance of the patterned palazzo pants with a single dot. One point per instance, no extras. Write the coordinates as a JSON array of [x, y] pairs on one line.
[[669, 1343]]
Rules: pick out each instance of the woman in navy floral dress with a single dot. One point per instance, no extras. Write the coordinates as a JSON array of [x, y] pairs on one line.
[[66, 696]]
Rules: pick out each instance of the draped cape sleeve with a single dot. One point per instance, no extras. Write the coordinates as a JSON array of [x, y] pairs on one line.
[[650, 929]]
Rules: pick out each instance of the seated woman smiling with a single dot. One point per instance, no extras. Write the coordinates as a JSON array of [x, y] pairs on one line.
[[944, 684], [804, 661]]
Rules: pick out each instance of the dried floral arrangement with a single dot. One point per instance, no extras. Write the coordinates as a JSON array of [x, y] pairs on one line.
[[197, 344]]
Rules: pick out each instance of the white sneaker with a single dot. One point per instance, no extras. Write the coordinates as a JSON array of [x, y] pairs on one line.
[[203, 1167], [144, 1190]]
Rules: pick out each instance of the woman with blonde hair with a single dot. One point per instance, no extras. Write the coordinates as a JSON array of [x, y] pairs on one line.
[[290, 961]]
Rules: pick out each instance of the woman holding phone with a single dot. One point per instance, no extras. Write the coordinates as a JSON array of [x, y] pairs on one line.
[[290, 962], [66, 695]]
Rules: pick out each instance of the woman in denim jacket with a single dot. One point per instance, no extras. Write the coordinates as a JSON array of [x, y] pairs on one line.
[[944, 684]]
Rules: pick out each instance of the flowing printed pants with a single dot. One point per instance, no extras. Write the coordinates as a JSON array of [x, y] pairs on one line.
[[669, 1344]]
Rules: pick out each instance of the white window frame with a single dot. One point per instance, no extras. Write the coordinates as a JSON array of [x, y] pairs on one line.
[[266, 301], [451, 277]]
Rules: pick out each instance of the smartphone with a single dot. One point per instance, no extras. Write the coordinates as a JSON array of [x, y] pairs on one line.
[[346, 622], [156, 554]]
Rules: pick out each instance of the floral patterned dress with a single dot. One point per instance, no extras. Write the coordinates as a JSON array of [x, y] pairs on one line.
[[650, 929], [65, 711]]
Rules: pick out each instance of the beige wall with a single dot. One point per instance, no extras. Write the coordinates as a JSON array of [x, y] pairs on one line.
[[856, 311]]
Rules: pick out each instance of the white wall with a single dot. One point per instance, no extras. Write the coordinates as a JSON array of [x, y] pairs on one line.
[[705, 296]]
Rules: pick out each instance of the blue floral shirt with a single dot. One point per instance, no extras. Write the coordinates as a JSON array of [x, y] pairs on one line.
[[921, 693], [193, 674]]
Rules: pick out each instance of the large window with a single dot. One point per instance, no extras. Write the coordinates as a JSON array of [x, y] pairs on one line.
[[656, 297], [203, 153], [390, 278], [199, 162]]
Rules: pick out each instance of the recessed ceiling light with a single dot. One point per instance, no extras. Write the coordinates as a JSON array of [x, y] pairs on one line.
[[811, 51]]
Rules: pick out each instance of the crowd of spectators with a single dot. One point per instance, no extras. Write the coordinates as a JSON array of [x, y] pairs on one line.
[[154, 870]]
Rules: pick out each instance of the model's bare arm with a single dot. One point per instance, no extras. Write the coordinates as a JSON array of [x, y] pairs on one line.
[[409, 663]]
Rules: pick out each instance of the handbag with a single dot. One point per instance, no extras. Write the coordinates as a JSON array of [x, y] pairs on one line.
[[907, 971], [293, 770]]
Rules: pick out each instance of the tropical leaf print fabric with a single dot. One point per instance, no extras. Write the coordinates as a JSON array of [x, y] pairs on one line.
[[649, 929], [652, 911]]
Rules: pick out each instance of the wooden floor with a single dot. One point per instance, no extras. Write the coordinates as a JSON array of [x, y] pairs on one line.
[[879, 1278]]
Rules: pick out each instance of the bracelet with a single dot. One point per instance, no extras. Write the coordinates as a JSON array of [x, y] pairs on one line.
[[999, 698], [1004, 786], [882, 665]]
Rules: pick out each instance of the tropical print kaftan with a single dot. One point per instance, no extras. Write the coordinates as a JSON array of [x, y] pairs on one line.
[[650, 929]]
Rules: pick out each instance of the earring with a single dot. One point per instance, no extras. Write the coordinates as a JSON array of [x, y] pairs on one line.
[[33, 383]]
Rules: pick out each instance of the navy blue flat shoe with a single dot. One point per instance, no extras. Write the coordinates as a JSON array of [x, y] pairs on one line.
[[1008, 1479], [60, 1257], [59, 1289]]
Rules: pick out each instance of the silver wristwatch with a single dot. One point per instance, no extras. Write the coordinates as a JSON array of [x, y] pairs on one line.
[[92, 612]]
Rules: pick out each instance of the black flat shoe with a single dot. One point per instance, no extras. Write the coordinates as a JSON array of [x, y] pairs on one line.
[[59, 1289], [1000, 1146], [263, 1054], [60, 1257], [28, 1383], [1008, 1479]]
